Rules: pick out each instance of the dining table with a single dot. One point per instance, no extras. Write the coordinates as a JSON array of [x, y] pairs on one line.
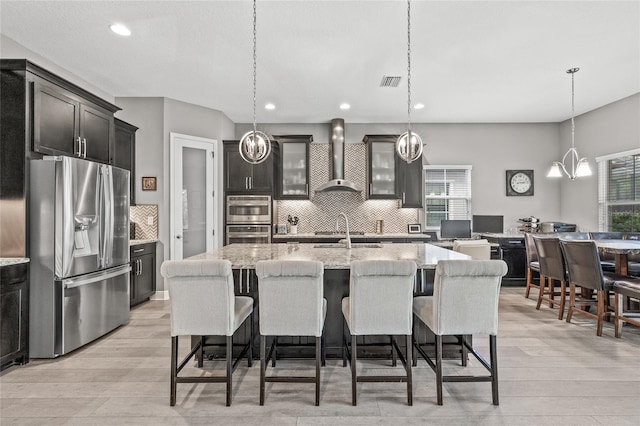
[[621, 249]]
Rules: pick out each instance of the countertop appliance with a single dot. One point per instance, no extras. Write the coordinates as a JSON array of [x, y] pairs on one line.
[[79, 238], [557, 227], [248, 219]]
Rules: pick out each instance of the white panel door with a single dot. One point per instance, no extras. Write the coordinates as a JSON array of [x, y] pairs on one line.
[[193, 203]]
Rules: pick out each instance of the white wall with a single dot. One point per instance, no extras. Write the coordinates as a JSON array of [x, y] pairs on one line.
[[490, 148], [607, 130]]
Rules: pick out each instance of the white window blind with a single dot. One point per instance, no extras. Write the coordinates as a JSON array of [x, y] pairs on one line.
[[447, 192], [619, 192]]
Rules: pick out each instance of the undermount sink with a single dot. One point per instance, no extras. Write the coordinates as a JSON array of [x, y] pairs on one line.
[[344, 246]]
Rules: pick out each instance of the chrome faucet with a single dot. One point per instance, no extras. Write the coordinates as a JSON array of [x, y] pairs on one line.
[[346, 224]]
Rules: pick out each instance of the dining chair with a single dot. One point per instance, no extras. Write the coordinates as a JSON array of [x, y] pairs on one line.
[[533, 265], [291, 303], [552, 268], [477, 249], [380, 303], [626, 288], [464, 302], [203, 303], [584, 270]]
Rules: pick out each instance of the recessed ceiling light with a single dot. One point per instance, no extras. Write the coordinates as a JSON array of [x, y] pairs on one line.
[[345, 106], [418, 106], [120, 30], [269, 106]]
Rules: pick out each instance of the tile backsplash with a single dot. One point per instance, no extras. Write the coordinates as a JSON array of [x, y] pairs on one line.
[[144, 222], [320, 212]]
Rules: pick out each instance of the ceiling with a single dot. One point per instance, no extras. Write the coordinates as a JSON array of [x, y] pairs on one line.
[[471, 61]]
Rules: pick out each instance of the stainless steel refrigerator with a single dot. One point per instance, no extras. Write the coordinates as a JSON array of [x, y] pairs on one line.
[[79, 250]]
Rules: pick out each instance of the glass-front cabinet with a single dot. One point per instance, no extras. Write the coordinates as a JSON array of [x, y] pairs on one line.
[[381, 170], [293, 167]]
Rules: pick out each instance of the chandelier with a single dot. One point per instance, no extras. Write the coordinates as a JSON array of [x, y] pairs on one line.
[[579, 167], [254, 146], [409, 144]]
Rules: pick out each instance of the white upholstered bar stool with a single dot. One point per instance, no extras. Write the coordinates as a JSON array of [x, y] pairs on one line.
[[203, 303], [464, 301], [291, 303], [477, 249], [380, 303]]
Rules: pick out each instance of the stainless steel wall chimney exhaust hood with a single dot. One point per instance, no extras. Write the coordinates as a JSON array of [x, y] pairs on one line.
[[338, 183]]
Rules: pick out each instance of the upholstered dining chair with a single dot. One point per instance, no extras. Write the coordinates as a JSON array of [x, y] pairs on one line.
[[291, 303], [533, 265], [584, 270], [627, 288], [380, 303], [552, 268], [464, 302], [477, 249], [203, 303]]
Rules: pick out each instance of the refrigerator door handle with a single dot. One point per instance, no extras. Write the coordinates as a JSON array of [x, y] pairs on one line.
[[109, 218], [92, 278], [100, 208]]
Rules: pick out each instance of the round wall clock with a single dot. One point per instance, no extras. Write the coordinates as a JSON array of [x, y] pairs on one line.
[[519, 182]]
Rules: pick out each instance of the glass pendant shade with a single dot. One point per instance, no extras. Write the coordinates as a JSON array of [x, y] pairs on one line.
[[583, 168], [409, 146], [255, 147], [554, 171]]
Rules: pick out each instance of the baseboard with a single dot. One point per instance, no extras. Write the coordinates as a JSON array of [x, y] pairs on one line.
[[160, 295]]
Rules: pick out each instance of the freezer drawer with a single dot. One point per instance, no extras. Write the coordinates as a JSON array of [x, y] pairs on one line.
[[92, 305]]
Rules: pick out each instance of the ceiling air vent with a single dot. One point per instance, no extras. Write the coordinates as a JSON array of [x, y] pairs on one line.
[[390, 81]]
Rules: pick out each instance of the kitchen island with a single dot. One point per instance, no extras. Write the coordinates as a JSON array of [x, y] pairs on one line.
[[337, 263], [245, 256]]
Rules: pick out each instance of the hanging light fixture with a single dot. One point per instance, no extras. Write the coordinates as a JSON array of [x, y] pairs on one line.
[[409, 144], [579, 166], [254, 146]]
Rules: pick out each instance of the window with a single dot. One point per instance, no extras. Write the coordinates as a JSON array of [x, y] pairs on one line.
[[447, 192], [619, 192]]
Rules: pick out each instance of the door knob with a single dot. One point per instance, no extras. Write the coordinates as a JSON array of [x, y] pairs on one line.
[[178, 236]]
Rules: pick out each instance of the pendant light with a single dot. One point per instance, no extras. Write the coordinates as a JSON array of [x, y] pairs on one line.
[[579, 166], [409, 144], [254, 146]]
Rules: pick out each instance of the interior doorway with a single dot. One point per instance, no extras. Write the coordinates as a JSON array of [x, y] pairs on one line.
[[193, 202]]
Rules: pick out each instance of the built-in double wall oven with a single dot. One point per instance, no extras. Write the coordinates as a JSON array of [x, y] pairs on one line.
[[248, 219]]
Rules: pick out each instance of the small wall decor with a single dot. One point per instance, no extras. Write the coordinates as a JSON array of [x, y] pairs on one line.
[[148, 183], [519, 182], [414, 228]]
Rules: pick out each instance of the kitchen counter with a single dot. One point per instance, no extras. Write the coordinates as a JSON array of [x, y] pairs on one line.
[[8, 261], [354, 237], [245, 256], [140, 242]]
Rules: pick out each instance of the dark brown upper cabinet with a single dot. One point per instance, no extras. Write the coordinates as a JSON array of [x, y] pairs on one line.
[[63, 119], [292, 168], [241, 177], [388, 176], [124, 153]]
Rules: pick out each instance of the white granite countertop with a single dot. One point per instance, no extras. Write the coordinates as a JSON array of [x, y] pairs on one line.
[[140, 242], [371, 235], [245, 256], [8, 261]]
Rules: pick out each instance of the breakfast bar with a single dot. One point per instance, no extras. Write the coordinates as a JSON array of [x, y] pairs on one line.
[[337, 263]]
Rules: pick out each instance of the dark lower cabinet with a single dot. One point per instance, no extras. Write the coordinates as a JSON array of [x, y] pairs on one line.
[[143, 273], [14, 315]]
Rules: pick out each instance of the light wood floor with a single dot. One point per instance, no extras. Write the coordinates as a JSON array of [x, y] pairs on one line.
[[550, 372]]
